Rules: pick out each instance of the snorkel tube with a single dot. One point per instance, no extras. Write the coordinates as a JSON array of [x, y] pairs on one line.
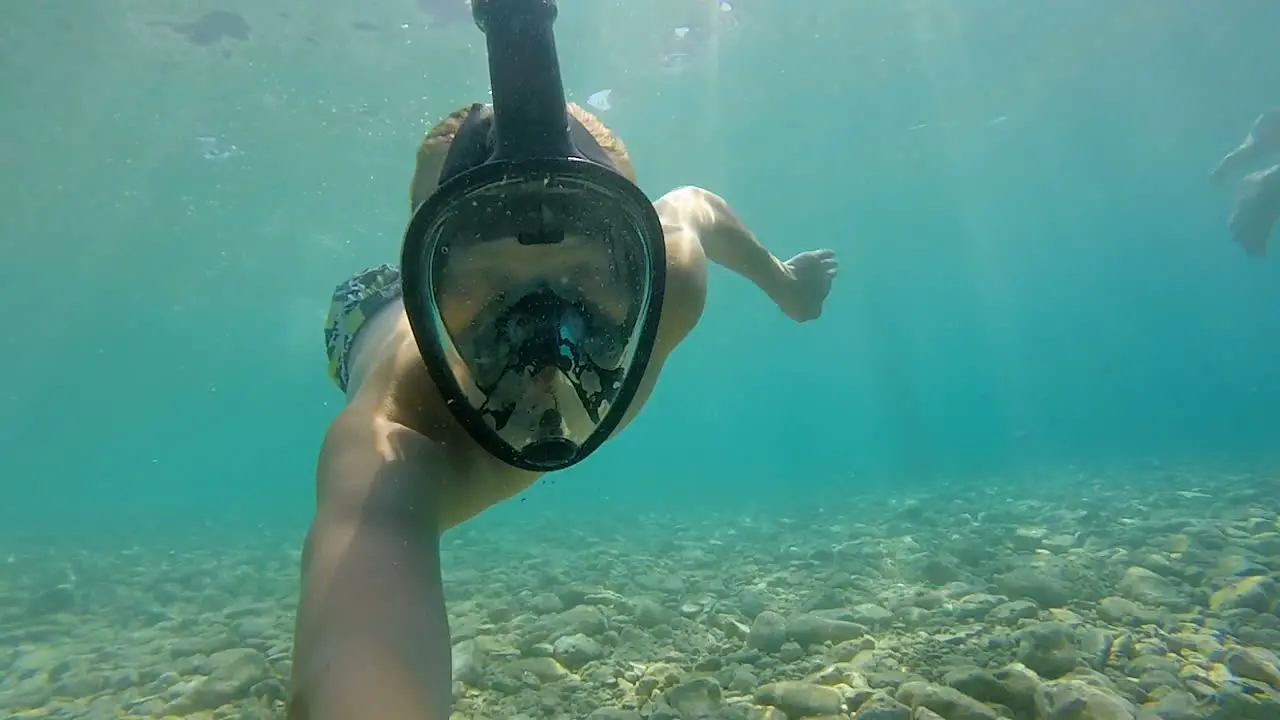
[[524, 71]]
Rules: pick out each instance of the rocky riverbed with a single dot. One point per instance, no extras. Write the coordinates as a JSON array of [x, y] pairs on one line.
[[1070, 597]]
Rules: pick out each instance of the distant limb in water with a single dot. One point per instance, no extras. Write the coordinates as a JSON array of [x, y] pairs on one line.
[[1256, 211], [1263, 140], [1256, 208]]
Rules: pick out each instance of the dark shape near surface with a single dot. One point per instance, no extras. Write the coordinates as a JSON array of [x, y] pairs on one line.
[[213, 27], [446, 12], [1256, 210], [1263, 140]]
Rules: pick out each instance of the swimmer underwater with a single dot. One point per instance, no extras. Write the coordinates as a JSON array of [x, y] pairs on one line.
[[538, 295], [1256, 208]]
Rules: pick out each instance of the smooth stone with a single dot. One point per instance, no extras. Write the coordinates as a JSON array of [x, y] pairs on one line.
[[1256, 664], [1143, 586], [696, 698], [800, 699], [1047, 648], [574, 651], [1079, 699], [948, 702], [768, 632], [1256, 593], [813, 629], [233, 673], [882, 706]]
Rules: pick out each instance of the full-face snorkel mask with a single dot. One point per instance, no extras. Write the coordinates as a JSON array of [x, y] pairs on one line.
[[534, 274]]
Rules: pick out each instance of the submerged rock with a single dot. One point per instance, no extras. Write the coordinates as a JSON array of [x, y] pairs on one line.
[[1048, 648], [768, 632], [816, 630], [1257, 593], [232, 674], [1255, 664], [800, 699], [1143, 586], [1079, 700], [947, 702], [697, 698]]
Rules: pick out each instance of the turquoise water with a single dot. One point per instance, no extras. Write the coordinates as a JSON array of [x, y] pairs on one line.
[[1036, 273]]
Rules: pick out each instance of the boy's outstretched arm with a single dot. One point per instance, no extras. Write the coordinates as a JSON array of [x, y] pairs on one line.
[[799, 285], [372, 638]]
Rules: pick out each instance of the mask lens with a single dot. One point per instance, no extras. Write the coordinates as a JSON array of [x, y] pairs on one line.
[[539, 289], [533, 289]]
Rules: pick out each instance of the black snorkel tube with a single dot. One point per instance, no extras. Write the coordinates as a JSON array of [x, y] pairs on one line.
[[524, 71], [528, 121]]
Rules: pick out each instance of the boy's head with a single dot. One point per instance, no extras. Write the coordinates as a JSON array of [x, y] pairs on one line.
[[435, 146]]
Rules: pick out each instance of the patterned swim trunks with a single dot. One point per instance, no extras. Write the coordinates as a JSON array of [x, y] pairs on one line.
[[354, 302]]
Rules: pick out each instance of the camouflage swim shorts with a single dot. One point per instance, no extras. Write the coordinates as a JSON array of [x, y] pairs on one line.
[[354, 302]]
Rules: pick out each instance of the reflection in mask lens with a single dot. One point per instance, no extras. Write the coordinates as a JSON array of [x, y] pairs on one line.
[[540, 292]]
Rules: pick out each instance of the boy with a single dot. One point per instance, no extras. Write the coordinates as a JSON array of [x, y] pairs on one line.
[[396, 470]]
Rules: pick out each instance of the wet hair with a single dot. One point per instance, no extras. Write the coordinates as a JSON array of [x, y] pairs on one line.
[[435, 146]]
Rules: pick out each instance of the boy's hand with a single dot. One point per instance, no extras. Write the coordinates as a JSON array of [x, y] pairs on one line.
[[807, 284]]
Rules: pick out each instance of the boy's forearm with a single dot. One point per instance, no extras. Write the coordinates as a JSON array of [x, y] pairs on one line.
[[373, 635], [728, 242], [361, 679]]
